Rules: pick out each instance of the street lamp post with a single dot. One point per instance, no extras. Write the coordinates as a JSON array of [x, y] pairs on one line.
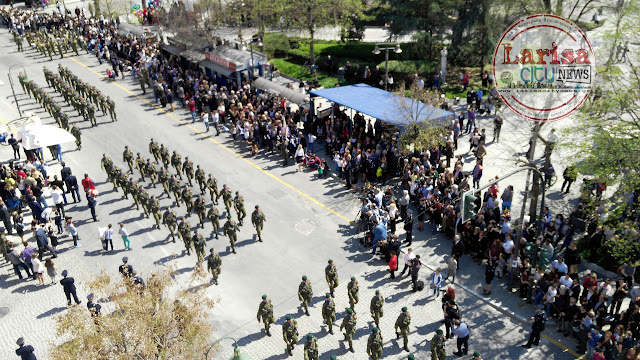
[[15, 98], [257, 40], [236, 350], [376, 51]]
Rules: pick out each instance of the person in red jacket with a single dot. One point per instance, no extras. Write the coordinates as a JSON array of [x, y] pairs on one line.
[[393, 264], [87, 183], [192, 109]]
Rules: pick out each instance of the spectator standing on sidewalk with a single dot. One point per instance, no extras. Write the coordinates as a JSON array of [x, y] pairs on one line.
[[92, 204], [38, 268], [71, 228], [69, 287], [436, 282], [14, 258], [393, 264], [461, 330], [408, 259], [108, 238], [58, 200], [415, 268], [25, 351], [51, 270], [43, 242], [125, 237]]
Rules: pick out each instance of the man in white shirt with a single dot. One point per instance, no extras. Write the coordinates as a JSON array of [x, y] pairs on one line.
[[461, 330], [508, 245], [108, 238], [567, 281], [310, 140], [408, 257], [550, 298], [560, 265], [58, 200], [215, 119]]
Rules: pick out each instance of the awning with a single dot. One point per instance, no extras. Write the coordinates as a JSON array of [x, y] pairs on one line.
[[126, 28], [276, 89], [217, 68], [172, 49], [39, 136]]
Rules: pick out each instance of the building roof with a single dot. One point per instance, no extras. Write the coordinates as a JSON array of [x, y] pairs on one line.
[[385, 106]]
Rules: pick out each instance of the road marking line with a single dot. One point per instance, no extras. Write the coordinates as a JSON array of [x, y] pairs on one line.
[[223, 146]]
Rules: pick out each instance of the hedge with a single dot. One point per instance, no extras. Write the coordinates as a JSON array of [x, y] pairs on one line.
[[421, 67], [276, 45]]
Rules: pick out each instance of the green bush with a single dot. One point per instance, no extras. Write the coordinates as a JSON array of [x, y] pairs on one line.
[[299, 56], [421, 67], [276, 45]]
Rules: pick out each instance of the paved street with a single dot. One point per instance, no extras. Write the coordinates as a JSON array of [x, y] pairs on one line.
[[307, 223]]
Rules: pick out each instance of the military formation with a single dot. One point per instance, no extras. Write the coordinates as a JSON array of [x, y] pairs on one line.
[[52, 42], [349, 322], [123, 179]]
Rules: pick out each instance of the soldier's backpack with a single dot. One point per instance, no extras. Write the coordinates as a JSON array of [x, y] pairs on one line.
[[419, 285]]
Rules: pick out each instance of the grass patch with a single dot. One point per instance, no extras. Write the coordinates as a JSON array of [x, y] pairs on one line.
[[298, 72], [589, 25], [614, 70]]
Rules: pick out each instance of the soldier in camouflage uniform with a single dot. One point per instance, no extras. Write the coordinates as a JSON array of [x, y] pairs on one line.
[[374, 344], [163, 178], [174, 186], [214, 265], [265, 312], [226, 198], [127, 156], [214, 216], [154, 149], [164, 155], [349, 323], [258, 219], [311, 348], [187, 198], [238, 205], [187, 167], [75, 131], [305, 294], [169, 219], [154, 208], [290, 333], [111, 106], [331, 275], [140, 164], [150, 170], [176, 162], [133, 189], [352, 291], [200, 179], [199, 244], [329, 312], [212, 185], [184, 229], [402, 322], [230, 228], [200, 208], [143, 197], [376, 307]]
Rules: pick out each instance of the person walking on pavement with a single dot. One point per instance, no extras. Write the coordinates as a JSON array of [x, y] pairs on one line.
[[408, 258], [25, 351], [331, 275], [349, 323], [108, 238], [92, 204], [214, 216], [290, 333], [43, 242], [230, 228], [539, 321], [305, 294], [257, 219], [476, 356], [374, 344], [403, 321], [311, 348], [436, 282], [329, 312], [376, 307], [214, 265], [438, 351], [353, 288], [69, 287], [125, 237], [71, 228], [265, 312], [461, 330]]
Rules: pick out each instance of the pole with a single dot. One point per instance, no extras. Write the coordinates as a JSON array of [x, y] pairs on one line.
[[252, 65], [386, 63], [236, 349], [14, 95]]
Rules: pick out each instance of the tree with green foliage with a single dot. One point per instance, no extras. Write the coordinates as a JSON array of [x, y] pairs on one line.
[[158, 320], [312, 14], [417, 133]]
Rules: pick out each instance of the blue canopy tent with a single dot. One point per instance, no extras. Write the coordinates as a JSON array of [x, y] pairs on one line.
[[387, 107]]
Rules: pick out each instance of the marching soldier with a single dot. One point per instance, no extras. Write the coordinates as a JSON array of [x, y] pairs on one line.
[[154, 208], [91, 114], [127, 156], [214, 216], [438, 351], [403, 321], [374, 344], [212, 185], [169, 219], [144, 91], [214, 265], [111, 106], [265, 312], [199, 244], [133, 189], [164, 155], [75, 131], [187, 198], [305, 294], [329, 312], [143, 197], [140, 164], [331, 275], [200, 209], [238, 205], [163, 178], [230, 228], [353, 289], [290, 333], [176, 162], [311, 348], [201, 179], [123, 183], [174, 186], [154, 149], [349, 323], [184, 228], [226, 198], [187, 167], [257, 219], [150, 170], [376, 307]]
